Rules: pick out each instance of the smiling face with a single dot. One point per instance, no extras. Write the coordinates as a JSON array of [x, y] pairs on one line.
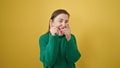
[[60, 22]]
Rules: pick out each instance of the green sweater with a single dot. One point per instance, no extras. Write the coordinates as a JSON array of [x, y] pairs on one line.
[[57, 52]]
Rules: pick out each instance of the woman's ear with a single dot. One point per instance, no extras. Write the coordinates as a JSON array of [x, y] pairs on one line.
[[51, 23]]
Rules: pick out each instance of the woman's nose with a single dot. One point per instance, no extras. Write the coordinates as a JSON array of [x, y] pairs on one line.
[[63, 24]]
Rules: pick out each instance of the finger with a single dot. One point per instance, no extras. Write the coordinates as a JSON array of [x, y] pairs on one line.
[[64, 30], [53, 27], [67, 26], [59, 26]]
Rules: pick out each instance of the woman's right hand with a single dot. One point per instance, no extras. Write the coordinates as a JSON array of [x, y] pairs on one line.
[[53, 30]]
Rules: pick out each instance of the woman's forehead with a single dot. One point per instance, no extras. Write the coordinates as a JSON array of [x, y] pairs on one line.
[[62, 16]]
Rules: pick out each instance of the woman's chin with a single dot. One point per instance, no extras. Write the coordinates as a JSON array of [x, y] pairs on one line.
[[60, 34]]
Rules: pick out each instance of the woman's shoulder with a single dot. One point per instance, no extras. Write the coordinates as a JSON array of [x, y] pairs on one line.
[[72, 35], [44, 36]]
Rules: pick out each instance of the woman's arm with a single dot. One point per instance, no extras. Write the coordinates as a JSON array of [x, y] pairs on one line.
[[48, 51], [72, 53]]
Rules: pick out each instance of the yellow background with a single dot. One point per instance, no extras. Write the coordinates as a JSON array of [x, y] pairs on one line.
[[96, 24]]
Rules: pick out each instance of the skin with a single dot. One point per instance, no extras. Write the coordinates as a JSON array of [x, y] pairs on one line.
[[60, 26]]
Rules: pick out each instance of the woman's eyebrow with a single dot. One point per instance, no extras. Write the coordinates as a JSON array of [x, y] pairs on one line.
[[62, 19]]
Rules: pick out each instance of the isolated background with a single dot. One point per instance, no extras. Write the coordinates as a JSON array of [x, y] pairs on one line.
[[95, 23]]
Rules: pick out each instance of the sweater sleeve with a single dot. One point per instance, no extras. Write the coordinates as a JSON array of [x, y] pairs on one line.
[[48, 51], [72, 53]]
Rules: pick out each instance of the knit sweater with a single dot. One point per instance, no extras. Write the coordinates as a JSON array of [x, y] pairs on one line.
[[57, 52]]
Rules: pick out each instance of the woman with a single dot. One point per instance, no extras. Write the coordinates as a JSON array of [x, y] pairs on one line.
[[58, 47]]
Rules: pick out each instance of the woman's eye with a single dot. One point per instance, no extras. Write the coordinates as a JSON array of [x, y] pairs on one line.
[[60, 21], [66, 21]]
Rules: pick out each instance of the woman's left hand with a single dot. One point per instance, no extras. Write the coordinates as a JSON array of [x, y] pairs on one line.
[[67, 32]]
